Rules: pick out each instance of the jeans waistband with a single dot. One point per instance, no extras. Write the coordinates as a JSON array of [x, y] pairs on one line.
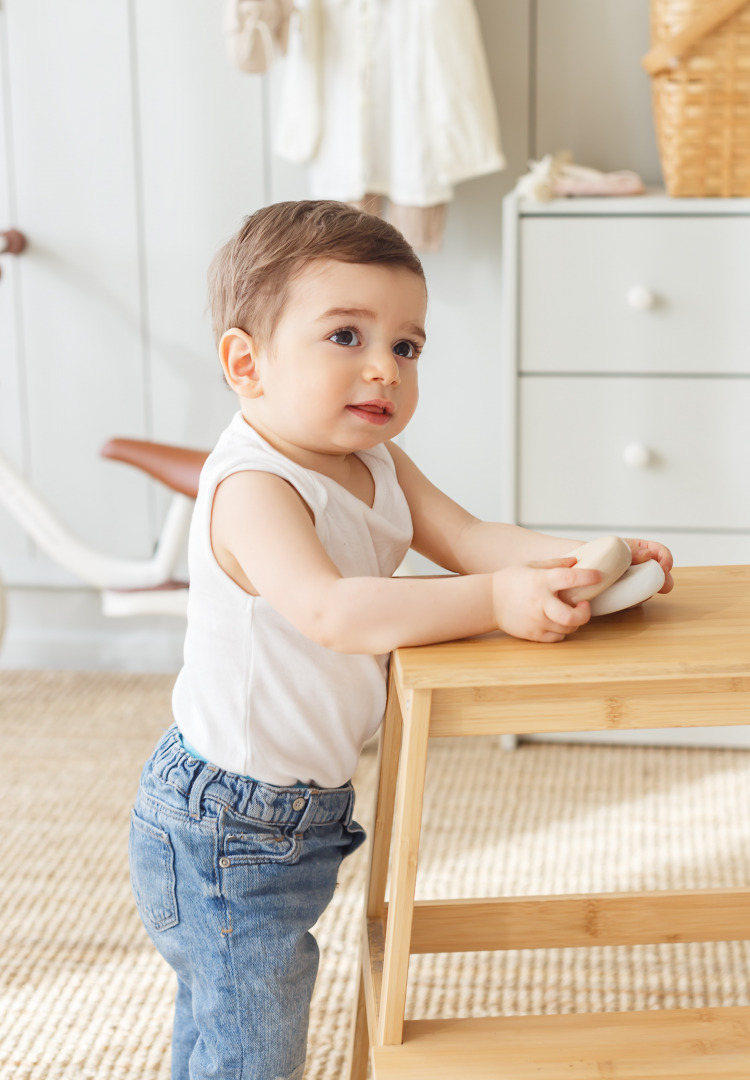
[[200, 783]]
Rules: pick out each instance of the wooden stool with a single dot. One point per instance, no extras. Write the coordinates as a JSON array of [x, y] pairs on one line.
[[681, 660]]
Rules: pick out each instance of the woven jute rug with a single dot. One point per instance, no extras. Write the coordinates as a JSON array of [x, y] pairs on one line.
[[84, 995]]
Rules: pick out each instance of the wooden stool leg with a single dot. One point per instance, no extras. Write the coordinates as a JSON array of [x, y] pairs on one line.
[[390, 748], [388, 754], [387, 769], [409, 798]]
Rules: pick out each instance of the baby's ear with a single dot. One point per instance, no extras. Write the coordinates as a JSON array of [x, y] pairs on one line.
[[238, 356]]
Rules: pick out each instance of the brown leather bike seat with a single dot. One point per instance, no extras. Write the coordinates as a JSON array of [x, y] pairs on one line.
[[175, 466]]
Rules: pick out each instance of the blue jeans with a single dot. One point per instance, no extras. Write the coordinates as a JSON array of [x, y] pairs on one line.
[[229, 875]]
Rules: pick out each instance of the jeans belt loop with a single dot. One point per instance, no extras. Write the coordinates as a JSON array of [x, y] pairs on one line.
[[199, 785], [349, 813], [312, 796]]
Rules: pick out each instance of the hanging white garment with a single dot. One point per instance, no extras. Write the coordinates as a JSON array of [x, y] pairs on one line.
[[255, 30], [300, 120], [389, 97]]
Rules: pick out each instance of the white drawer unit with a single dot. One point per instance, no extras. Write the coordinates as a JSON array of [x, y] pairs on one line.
[[626, 370], [626, 381]]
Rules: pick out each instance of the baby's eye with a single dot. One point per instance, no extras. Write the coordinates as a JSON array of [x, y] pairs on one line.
[[346, 336], [407, 349]]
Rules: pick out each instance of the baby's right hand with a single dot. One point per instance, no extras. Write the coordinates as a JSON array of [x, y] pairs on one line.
[[526, 603]]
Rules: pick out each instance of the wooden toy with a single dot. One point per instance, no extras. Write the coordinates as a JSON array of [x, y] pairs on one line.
[[622, 585], [637, 584], [609, 554]]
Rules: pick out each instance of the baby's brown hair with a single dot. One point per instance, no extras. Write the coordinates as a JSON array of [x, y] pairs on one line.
[[249, 277]]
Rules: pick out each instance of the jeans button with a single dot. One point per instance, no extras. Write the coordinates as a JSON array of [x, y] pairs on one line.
[[298, 804], [224, 862]]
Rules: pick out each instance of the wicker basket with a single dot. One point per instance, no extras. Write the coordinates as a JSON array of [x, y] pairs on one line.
[[700, 68]]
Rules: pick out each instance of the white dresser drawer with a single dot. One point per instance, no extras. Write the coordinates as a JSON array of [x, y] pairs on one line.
[[689, 547], [634, 453], [635, 294]]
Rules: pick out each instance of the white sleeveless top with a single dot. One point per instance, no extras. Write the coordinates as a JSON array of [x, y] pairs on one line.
[[255, 696]]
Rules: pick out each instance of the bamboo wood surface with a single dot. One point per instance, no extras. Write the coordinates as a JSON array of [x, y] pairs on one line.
[[373, 941], [460, 713], [689, 1044], [677, 658], [415, 711], [572, 921], [388, 755], [698, 635]]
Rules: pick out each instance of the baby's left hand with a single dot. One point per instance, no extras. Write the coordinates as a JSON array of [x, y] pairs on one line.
[[643, 550]]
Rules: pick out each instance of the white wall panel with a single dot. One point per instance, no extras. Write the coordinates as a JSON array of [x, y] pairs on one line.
[[592, 95], [202, 167], [455, 436], [71, 102], [13, 542], [286, 180]]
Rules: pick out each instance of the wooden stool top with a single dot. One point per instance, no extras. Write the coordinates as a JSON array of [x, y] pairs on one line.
[[692, 641], [701, 627]]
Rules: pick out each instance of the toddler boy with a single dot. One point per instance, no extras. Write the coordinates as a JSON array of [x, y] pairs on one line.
[[305, 509]]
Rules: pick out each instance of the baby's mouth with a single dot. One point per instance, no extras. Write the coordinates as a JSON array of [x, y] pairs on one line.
[[374, 412]]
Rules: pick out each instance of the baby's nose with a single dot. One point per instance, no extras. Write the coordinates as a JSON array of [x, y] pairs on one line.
[[383, 366]]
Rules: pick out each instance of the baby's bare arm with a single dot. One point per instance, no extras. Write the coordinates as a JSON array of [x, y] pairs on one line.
[[453, 538], [261, 526], [456, 540]]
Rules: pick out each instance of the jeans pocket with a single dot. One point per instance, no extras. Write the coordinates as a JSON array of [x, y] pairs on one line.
[[258, 842], [152, 875]]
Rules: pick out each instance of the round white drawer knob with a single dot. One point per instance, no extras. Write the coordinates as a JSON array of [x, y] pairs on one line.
[[636, 455], [640, 298]]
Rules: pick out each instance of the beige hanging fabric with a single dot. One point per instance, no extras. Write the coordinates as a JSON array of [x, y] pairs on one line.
[[700, 67], [256, 32], [423, 226]]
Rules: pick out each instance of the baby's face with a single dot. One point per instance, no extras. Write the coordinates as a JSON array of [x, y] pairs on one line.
[[341, 372]]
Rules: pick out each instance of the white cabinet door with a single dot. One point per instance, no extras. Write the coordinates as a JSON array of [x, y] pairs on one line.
[[13, 544], [71, 138], [133, 148], [202, 150]]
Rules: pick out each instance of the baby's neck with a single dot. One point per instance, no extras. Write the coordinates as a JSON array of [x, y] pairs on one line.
[[346, 468]]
